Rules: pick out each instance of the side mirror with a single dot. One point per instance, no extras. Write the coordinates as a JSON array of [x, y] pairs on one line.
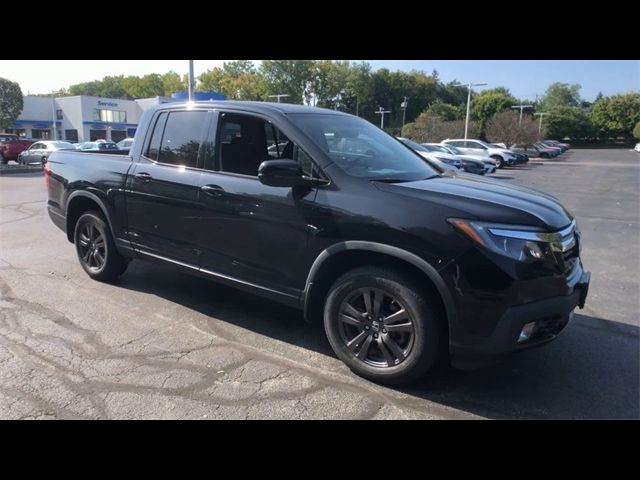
[[285, 173]]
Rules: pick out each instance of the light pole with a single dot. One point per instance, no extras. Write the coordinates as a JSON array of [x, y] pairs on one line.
[[468, 85], [403, 105], [541, 114], [280, 95], [521, 107], [381, 112], [53, 107], [190, 80]]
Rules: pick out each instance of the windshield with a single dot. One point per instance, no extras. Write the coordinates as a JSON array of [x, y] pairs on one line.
[[438, 148], [414, 145], [452, 149], [362, 150]]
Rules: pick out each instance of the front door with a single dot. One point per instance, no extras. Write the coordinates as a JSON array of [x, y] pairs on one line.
[[249, 231], [164, 186]]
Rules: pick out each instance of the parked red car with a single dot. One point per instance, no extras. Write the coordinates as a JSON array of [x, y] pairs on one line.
[[11, 145]]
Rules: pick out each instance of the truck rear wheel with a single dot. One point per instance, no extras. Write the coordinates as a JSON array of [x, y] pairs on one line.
[[382, 326], [95, 248]]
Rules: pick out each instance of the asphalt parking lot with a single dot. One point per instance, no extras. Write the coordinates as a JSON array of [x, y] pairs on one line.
[[160, 344]]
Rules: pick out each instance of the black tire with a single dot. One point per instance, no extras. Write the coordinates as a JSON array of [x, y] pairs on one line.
[[498, 159], [419, 342], [3, 160], [97, 253]]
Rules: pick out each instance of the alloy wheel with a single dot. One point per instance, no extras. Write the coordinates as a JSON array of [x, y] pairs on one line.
[[92, 247], [376, 327]]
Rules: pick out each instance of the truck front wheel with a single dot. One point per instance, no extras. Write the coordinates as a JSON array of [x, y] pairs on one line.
[[95, 248], [382, 326]]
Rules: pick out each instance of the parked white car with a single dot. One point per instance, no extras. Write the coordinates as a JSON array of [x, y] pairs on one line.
[[502, 156], [637, 148], [490, 165]]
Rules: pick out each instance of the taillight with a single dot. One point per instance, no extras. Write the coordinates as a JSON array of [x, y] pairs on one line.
[[47, 175]]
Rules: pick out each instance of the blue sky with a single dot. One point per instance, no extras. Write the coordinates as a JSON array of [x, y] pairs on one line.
[[525, 78]]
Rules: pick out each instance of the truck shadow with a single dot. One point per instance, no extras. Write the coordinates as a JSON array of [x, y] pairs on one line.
[[591, 371]]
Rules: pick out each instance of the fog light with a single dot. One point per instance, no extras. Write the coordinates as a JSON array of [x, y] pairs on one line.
[[527, 332]]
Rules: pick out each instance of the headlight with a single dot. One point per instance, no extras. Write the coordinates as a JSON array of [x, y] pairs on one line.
[[522, 243]]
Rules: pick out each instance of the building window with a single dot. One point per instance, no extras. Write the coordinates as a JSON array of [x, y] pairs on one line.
[[97, 135], [117, 135], [41, 134], [58, 114], [112, 116], [21, 132], [71, 136]]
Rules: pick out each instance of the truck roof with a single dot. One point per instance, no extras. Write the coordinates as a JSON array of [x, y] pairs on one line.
[[258, 107]]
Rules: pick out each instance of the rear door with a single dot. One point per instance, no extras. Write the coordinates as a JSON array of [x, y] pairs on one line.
[[163, 188]]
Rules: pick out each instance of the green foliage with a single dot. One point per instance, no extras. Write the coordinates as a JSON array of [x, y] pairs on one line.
[[489, 102], [238, 80], [289, 77], [11, 103], [560, 95], [617, 115], [636, 131], [445, 111], [568, 122], [131, 87]]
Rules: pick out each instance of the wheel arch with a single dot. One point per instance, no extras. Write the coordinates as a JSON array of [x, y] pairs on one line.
[[344, 256], [80, 202]]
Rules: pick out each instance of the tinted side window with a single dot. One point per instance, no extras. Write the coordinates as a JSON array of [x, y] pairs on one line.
[[156, 137], [309, 168], [182, 137]]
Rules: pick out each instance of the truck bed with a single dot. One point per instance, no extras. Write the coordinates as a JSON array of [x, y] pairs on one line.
[[69, 173]]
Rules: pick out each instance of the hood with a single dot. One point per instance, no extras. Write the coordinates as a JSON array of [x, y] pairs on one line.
[[487, 200]]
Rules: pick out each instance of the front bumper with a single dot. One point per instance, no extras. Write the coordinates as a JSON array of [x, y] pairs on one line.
[[551, 315]]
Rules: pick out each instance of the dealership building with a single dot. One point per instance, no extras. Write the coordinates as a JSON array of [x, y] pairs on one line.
[[82, 118]]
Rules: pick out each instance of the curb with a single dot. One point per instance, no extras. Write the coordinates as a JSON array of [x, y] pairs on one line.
[[19, 169]]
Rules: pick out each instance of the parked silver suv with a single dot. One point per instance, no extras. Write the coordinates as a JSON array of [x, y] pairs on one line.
[[502, 156]]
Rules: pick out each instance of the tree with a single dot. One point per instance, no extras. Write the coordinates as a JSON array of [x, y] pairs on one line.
[[329, 84], [561, 95], [433, 129], [636, 131], [172, 83], [11, 103], [617, 115], [489, 102], [358, 96], [568, 122], [238, 80], [506, 127], [289, 77], [445, 111]]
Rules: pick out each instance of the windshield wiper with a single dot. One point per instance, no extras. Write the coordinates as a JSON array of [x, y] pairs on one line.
[[390, 180]]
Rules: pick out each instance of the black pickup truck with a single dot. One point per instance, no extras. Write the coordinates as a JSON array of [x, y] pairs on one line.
[[323, 211]]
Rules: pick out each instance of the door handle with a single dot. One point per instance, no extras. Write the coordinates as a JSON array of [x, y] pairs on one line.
[[143, 176], [213, 190]]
